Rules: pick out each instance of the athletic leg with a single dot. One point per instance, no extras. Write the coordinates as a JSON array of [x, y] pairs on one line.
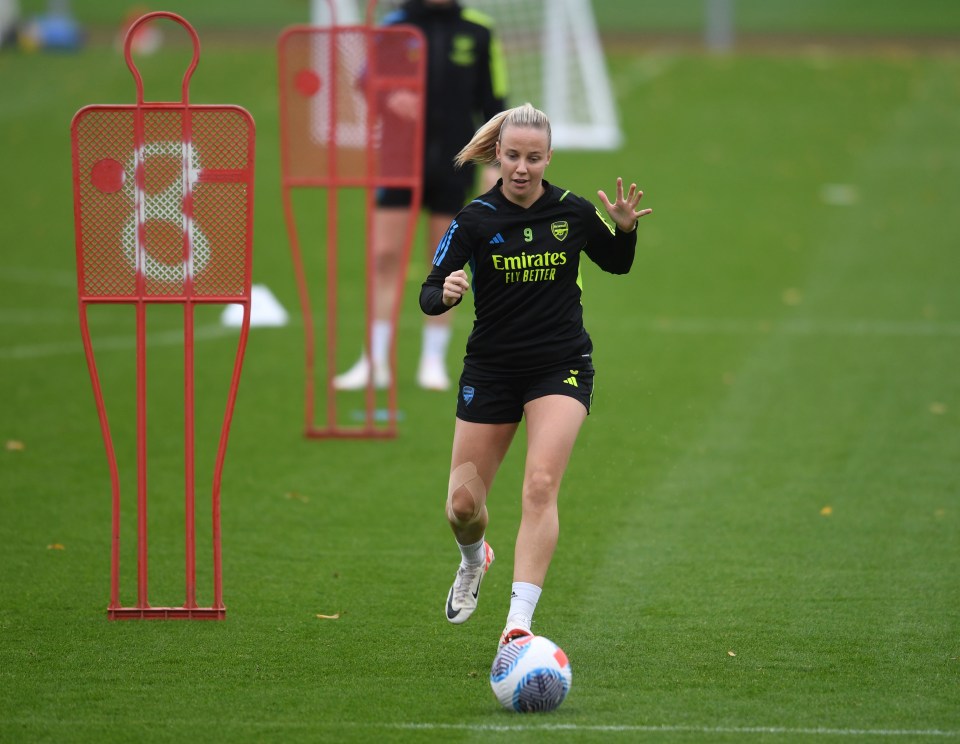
[[553, 423], [389, 229], [478, 450]]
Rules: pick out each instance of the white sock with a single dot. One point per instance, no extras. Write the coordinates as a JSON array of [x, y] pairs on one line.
[[381, 334], [473, 554], [436, 339], [523, 600]]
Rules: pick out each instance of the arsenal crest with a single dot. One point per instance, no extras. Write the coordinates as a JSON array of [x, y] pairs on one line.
[[560, 229]]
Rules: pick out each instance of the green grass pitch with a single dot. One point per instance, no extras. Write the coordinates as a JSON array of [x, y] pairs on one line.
[[760, 526]]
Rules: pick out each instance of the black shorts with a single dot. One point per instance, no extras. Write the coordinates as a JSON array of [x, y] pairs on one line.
[[443, 193], [488, 399]]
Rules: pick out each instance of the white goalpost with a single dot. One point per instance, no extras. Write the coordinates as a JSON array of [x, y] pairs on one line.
[[348, 12], [554, 60]]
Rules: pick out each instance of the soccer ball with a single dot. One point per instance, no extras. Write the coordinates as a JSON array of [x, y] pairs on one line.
[[531, 674]]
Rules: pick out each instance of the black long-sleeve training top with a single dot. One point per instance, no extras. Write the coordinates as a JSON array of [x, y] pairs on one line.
[[525, 267]]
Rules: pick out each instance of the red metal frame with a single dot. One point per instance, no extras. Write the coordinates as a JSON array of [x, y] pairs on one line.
[[334, 178], [205, 201]]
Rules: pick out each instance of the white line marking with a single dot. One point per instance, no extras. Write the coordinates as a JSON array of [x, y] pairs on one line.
[[839, 194], [33, 317], [30, 276], [708, 730], [826, 328], [480, 728]]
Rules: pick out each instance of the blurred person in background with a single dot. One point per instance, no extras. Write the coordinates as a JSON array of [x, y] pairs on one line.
[[9, 19], [466, 85]]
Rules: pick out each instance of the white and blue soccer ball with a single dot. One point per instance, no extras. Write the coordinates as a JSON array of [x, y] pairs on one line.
[[531, 674]]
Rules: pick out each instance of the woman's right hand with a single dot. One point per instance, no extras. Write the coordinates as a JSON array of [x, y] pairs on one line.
[[454, 287]]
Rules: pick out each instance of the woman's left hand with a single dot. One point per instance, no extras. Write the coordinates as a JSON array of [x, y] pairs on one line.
[[623, 211], [404, 104]]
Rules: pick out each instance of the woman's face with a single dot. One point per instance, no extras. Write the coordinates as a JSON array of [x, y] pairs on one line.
[[524, 154]]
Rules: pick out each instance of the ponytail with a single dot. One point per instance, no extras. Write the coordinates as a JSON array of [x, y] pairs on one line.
[[483, 147]]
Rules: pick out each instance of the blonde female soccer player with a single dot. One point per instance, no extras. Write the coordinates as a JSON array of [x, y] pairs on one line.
[[528, 355]]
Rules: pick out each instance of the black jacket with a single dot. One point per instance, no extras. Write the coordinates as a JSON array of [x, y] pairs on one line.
[[466, 76]]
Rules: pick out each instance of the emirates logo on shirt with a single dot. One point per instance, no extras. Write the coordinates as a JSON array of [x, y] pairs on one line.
[[529, 267]]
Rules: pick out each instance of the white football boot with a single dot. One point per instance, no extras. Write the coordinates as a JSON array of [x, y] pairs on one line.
[[462, 598], [518, 626], [432, 374], [358, 376]]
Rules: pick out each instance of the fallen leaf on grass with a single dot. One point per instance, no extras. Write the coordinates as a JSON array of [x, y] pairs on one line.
[[14, 446], [826, 511], [938, 409], [792, 297], [731, 653], [55, 546], [329, 617], [291, 495]]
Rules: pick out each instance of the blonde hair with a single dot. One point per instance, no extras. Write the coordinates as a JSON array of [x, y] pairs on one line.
[[483, 147]]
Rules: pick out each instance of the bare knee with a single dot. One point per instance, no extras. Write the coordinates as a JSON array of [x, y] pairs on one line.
[[540, 489], [386, 262]]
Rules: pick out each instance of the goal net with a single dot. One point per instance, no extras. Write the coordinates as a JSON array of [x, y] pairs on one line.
[[554, 60]]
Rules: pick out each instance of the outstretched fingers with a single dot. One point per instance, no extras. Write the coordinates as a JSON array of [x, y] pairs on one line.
[[624, 210]]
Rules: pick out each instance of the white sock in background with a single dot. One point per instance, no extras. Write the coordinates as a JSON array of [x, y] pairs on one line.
[[381, 333], [436, 339]]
